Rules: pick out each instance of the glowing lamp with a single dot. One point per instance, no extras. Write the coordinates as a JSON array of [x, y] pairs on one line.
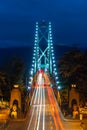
[[16, 85]]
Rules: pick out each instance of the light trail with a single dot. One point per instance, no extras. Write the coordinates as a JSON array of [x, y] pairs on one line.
[[56, 117], [43, 109], [57, 112], [36, 95], [31, 116], [39, 116], [33, 110], [52, 112], [38, 100], [37, 110], [32, 97], [38, 120]]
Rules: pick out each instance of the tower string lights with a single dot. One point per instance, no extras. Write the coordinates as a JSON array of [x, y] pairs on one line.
[[44, 59]]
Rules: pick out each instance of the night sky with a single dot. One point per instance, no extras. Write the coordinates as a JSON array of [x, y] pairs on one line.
[[18, 18]]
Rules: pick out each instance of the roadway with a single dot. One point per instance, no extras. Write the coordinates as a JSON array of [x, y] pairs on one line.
[[44, 113]]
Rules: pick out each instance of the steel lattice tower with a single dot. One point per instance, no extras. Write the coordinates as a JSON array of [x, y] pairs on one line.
[[43, 52]]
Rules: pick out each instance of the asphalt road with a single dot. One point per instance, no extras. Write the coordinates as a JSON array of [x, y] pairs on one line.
[[42, 114]]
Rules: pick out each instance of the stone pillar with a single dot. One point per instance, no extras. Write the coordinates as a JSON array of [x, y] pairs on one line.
[[15, 96], [73, 95]]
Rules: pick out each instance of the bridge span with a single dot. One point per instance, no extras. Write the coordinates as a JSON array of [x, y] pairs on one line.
[[44, 114]]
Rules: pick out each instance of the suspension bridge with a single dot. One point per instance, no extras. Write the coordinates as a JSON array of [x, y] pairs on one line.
[[44, 112]]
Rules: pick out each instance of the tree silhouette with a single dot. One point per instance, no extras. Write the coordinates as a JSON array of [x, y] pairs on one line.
[[72, 68], [14, 72]]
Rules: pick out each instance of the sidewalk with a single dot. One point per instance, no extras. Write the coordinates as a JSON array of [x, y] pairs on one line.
[[71, 124], [4, 124], [74, 124]]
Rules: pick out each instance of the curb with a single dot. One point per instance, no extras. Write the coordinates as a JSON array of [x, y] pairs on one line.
[[23, 119], [4, 125]]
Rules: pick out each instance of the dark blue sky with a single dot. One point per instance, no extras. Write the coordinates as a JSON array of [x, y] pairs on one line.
[[18, 17]]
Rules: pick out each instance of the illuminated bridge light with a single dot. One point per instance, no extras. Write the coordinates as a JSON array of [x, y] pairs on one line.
[[30, 82], [30, 78], [31, 72], [55, 73], [33, 57], [57, 82], [36, 35], [35, 40], [51, 47], [35, 47], [52, 51], [32, 69], [56, 77], [53, 61], [54, 69], [33, 61], [36, 29], [59, 87], [29, 87], [50, 30], [32, 65], [53, 58], [54, 65], [36, 26]]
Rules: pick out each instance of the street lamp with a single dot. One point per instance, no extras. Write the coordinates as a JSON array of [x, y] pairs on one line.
[[73, 85]]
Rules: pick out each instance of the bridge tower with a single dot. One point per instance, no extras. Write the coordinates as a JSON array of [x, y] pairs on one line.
[[43, 52]]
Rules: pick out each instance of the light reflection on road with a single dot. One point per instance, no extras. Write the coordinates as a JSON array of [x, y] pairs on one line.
[[44, 112]]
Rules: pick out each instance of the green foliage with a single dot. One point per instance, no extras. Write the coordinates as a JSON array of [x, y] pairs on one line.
[[72, 68], [4, 85], [13, 73]]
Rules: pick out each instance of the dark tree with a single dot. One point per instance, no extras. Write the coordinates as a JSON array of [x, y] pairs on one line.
[[72, 68]]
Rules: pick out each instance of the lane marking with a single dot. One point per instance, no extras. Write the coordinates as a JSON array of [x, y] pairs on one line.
[[38, 123], [32, 97], [33, 111]]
